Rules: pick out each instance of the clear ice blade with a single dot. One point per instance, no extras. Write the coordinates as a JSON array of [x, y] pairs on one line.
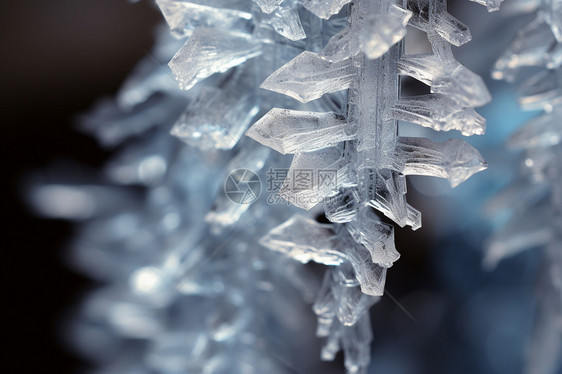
[[209, 51], [308, 76], [293, 131]]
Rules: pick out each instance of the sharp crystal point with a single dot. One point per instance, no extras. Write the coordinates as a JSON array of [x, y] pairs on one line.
[[307, 77], [305, 240], [210, 51], [292, 131], [324, 8], [454, 159]]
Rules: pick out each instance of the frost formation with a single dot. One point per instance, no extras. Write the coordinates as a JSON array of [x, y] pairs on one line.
[[337, 65]]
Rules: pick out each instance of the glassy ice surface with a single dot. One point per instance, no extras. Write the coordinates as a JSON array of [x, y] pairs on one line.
[[209, 51], [219, 116], [291, 131], [308, 76], [324, 8]]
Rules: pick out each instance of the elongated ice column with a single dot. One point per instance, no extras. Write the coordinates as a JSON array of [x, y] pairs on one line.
[[534, 200], [361, 150]]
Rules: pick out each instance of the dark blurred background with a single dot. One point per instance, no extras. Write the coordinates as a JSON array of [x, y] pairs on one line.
[[58, 57]]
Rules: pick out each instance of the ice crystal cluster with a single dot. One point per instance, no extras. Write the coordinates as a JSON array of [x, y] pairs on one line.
[[188, 285], [534, 200]]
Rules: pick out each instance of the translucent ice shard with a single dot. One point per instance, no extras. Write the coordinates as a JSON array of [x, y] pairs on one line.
[[268, 6], [286, 22], [324, 8], [440, 22], [390, 198], [305, 240], [183, 16], [370, 276], [343, 206], [292, 131], [314, 177], [375, 235], [371, 32], [226, 211], [308, 77], [454, 80], [337, 299], [219, 117], [384, 30], [454, 159], [440, 113], [491, 5], [209, 51]]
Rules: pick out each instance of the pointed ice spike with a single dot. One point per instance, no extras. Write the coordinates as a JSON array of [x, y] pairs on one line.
[[268, 6], [383, 30], [370, 276], [305, 240], [491, 5], [293, 131], [183, 16], [341, 46], [376, 236], [373, 34], [315, 176], [342, 207], [390, 199], [308, 77], [286, 22], [324, 8], [440, 113], [454, 159], [210, 51], [451, 79], [438, 20], [218, 118]]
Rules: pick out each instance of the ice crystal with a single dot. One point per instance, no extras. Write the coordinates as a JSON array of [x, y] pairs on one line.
[[361, 144], [534, 199], [338, 65]]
